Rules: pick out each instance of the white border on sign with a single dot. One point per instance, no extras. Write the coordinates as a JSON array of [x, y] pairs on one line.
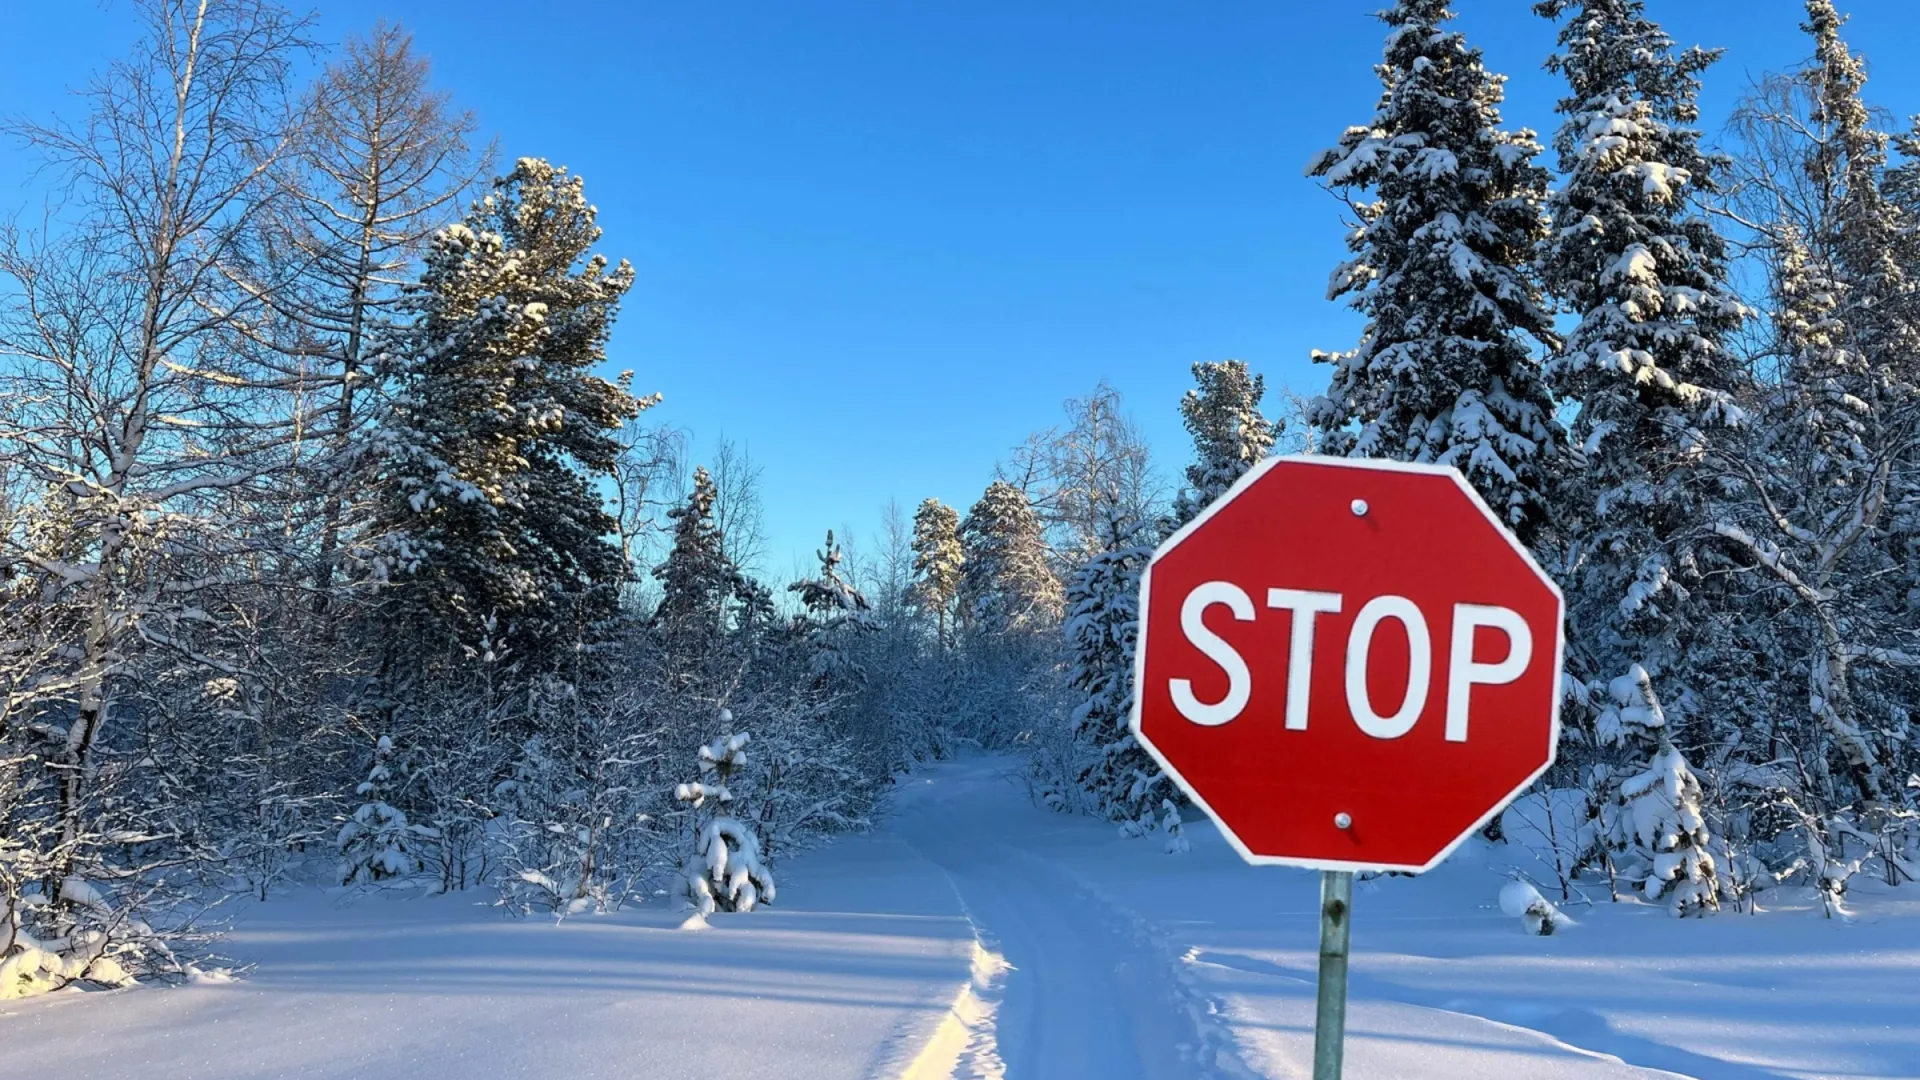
[[1247, 480]]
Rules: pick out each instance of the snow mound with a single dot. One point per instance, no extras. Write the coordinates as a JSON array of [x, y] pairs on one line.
[[1535, 912]]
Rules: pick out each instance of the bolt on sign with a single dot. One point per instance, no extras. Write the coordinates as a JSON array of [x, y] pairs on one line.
[[1349, 664]]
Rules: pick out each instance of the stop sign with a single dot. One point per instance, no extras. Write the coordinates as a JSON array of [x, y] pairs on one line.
[[1349, 664]]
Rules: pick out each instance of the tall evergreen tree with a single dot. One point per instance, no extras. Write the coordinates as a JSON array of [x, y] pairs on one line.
[[1633, 255], [1849, 161], [1006, 581], [1102, 630], [697, 579], [1230, 436], [499, 429], [1449, 209], [833, 614], [937, 562]]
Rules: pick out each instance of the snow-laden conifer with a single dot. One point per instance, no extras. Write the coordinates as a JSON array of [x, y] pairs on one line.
[[1230, 435], [833, 615], [1174, 829], [697, 579], [1449, 208], [377, 843], [1006, 579], [937, 561], [1654, 826], [1635, 257], [1659, 819], [723, 870], [500, 427], [1102, 628]]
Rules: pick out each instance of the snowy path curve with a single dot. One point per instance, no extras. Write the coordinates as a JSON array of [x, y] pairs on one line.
[[1089, 988]]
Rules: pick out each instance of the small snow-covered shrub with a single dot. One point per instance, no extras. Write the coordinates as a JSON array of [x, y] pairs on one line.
[[723, 870], [49, 942], [1659, 835], [1535, 912], [1175, 829], [1835, 850], [100, 906], [377, 843]]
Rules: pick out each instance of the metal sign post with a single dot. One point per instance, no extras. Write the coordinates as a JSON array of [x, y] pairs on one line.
[[1330, 1002]]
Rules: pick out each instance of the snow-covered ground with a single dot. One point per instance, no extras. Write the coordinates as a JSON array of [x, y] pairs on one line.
[[976, 936]]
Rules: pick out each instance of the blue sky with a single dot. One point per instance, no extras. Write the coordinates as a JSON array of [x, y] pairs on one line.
[[880, 242]]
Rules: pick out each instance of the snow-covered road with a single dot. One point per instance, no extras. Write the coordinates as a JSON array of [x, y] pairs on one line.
[[1087, 992], [1102, 987], [975, 936]]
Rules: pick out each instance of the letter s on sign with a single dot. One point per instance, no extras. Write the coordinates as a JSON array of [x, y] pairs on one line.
[[1239, 680]]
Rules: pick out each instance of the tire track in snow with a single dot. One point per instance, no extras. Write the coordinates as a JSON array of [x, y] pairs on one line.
[[1089, 988], [1212, 1051]]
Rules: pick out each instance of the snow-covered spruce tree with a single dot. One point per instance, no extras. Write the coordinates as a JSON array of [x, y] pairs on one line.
[[1654, 827], [832, 611], [937, 562], [1230, 436], [1174, 829], [826, 631], [697, 580], [1102, 627], [1449, 208], [376, 842], [1010, 607], [1660, 811], [834, 616], [1634, 256], [722, 870], [1006, 580], [499, 429]]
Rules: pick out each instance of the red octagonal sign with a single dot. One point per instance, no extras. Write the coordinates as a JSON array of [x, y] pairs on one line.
[[1349, 664]]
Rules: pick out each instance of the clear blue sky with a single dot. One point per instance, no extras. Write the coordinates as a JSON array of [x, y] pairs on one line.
[[879, 242]]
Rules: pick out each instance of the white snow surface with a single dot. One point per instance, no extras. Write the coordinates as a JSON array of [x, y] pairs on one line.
[[976, 936]]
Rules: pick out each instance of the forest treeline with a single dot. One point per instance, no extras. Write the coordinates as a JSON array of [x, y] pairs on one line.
[[327, 547]]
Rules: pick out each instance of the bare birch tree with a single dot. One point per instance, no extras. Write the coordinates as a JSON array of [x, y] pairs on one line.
[[131, 407]]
